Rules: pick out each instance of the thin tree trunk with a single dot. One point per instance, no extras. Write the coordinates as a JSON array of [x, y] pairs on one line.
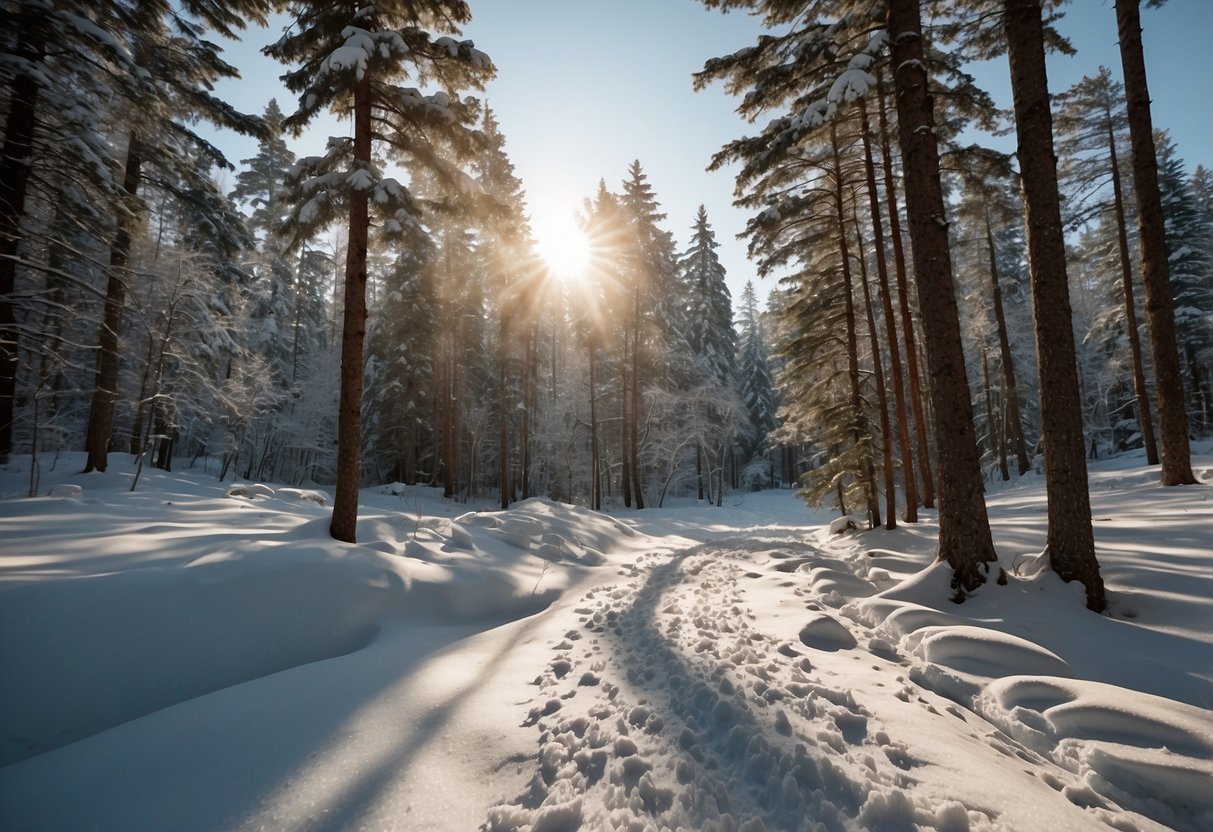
[[14, 178], [596, 480], [910, 485], [882, 398], [105, 389], [992, 431], [1155, 270], [1145, 419], [964, 529], [637, 478], [625, 452], [857, 417], [503, 418], [1004, 350], [353, 332], [903, 302], [1070, 542]]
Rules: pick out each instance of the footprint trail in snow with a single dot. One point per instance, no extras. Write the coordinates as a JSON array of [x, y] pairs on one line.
[[670, 708]]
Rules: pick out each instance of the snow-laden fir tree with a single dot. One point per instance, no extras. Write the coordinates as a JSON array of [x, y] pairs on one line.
[[755, 385], [1190, 264], [356, 59], [713, 344]]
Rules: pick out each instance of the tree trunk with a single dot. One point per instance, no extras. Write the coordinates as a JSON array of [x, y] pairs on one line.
[[637, 479], [105, 390], [1145, 418], [14, 178], [903, 303], [1071, 543], [1004, 350], [625, 452], [353, 332], [857, 417], [996, 446], [886, 430], [503, 417], [1155, 270], [910, 485], [964, 529], [595, 479]]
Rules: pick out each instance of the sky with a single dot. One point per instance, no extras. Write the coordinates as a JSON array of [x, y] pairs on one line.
[[585, 87]]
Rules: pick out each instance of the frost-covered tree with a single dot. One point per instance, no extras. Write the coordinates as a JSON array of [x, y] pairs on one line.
[[755, 384], [176, 67], [1190, 265], [353, 59], [713, 344], [1091, 123]]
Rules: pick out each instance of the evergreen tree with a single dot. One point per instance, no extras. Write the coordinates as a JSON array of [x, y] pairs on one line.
[[754, 381], [1155, 274], [1071, 542], [352, 58], [1091, 122], [180, 67], [1190, 264], [964, 532]]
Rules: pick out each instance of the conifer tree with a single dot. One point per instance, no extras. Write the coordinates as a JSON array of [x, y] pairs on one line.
[[754, 382], [964, 532], [1091, 122], [181, 67], [1155, 273], [352, 58], [1071, 543]]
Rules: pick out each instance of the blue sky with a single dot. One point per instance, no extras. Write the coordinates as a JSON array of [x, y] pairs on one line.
[[586, 86]]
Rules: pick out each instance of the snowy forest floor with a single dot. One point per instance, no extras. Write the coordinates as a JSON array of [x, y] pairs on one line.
[[196, 657]]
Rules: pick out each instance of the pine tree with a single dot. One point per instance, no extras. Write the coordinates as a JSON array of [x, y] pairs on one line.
[[964, 532], [1155, 275], [1071, 542], [168, 48], [1190, 265], [755, 383], [352, 58], [1091, 122], [713, 343]]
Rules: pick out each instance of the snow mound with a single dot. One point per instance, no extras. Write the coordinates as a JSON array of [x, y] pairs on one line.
[[249, 489], [304, 495], [69, 490], [1150, 754], [842, 524], [824, 632], [956, 660]]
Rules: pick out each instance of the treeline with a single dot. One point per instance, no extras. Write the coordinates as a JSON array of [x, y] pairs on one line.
[[146, 311], [912, 368]]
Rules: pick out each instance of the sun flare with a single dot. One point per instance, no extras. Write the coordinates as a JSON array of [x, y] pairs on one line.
[[563, 246]]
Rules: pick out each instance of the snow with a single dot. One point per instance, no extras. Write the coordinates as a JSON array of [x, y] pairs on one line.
[[201, 655]]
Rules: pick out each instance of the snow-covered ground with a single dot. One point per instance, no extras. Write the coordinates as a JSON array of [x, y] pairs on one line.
[[193, 656]]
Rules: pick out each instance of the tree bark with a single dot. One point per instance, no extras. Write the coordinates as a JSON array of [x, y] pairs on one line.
[[1008, 362], [637, 479], [1145, 418], [1155, 270], [903, 302], [105, 389], [14, 179], [503, 416], [353, 333], [857, 418], [1070, 543], [964, 530], [910, 485], [595, 479], [886, 429]]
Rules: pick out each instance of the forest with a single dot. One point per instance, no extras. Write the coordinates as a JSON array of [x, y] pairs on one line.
[[333, 497], [147, 312]]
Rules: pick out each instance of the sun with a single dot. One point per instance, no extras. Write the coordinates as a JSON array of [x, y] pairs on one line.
[[562, 245]]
